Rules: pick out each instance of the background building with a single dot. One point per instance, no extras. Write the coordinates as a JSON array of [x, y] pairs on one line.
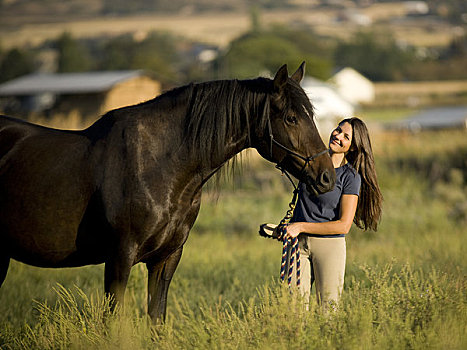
[[83, 96], [353, 86]]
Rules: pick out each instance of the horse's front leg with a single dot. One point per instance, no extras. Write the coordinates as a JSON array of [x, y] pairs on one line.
[[117, 272], [159, 277]]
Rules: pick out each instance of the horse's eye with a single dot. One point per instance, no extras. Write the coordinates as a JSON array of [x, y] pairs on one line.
[[291, 119]]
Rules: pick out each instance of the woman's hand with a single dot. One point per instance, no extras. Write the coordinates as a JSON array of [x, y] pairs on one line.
[[340, 226], [293, 230]]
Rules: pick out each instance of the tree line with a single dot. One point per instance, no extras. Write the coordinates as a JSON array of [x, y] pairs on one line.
[[377, 55]]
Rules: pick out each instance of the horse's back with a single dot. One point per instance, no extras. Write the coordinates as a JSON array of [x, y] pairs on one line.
[[7, 122], [13, 131]]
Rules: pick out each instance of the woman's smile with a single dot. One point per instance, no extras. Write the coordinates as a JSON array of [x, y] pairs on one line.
[[336, 142]]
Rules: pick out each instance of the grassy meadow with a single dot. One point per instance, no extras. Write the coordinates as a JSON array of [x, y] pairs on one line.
[[405, 285]]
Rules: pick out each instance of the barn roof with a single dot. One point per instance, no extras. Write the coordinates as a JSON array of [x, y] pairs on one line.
[[66, 83]]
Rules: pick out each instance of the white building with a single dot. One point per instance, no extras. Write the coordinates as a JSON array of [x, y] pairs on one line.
[[329, 105], [353, 86], [415, 8]]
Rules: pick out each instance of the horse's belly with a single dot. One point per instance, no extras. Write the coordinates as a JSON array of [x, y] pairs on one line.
[[42, 230], [40, 248], [52, 241], [58, 259], [54, 253]]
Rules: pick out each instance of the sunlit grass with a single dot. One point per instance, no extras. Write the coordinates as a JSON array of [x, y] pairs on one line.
[[386, 308]]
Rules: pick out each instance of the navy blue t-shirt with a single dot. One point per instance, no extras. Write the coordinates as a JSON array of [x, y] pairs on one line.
[[326, 207]]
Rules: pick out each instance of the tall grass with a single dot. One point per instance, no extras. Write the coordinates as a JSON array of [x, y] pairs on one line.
[[405, 285], [388, 308]]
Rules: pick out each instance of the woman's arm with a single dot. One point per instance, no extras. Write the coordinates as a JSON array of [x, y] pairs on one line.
[[341, 226]]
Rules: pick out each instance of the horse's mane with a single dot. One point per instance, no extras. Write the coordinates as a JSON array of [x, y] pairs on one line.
[[219, 112]]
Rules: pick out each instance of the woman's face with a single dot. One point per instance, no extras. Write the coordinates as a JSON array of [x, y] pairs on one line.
[[341, 138]]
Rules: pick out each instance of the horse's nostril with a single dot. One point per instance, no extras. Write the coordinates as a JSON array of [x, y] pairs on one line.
[[325, 178], [327, 181]]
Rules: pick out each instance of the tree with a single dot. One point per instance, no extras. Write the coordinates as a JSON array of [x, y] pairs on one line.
[[16, 63], [306, 41], [72, 55], [255, 19], [117, 53], [156, 53], [254, 53], [375, 55]]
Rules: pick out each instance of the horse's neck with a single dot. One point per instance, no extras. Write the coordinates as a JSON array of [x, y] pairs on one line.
[[232, 149]]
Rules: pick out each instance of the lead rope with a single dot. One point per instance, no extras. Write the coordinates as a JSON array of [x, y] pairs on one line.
[[290, 248]]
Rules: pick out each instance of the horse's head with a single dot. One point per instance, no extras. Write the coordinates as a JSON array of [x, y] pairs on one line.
[[290, 137]]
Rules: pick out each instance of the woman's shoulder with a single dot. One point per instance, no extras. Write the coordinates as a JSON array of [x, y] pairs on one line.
[[350, 180], [347, 171]]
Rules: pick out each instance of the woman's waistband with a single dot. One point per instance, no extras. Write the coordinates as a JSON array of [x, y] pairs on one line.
[[325, 236]]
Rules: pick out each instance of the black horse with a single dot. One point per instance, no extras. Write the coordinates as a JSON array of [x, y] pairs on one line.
[[127, 189]]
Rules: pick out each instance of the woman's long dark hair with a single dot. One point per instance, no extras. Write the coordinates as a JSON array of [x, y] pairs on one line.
[[360, 156]]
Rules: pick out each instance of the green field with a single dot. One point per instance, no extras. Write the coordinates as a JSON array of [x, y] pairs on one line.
[[405, 285]]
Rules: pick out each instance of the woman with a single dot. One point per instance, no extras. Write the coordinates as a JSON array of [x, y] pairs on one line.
[[321, 222]]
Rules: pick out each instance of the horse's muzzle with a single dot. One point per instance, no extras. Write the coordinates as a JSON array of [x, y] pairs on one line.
[[325, 182]]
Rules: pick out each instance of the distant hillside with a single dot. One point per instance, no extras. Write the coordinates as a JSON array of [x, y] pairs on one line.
[[13, 12], [79, 8], [31, 22]]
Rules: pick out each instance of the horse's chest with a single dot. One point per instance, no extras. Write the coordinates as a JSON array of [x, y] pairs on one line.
[[170, 232]]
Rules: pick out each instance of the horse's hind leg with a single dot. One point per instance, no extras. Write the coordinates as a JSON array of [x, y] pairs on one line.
[[4, 263], [159, 277]]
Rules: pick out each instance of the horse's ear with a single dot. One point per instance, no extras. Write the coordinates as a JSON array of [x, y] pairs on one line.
[[281, 78], [299, 74]]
